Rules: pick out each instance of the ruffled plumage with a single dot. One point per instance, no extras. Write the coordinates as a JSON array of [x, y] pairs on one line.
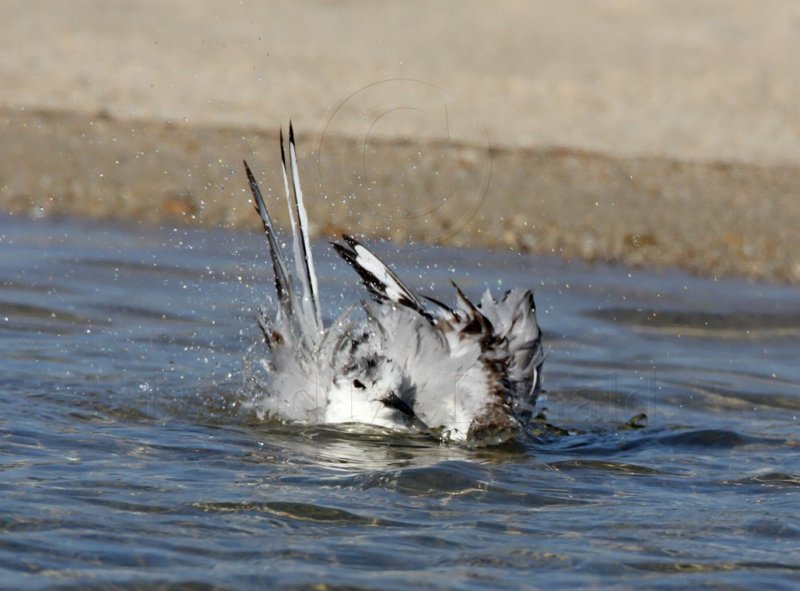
[[401, 361]]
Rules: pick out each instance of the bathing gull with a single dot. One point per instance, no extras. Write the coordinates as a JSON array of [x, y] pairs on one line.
[[401, 360]]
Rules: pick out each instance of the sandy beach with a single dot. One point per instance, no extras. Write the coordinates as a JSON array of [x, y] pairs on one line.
[[659, 134]]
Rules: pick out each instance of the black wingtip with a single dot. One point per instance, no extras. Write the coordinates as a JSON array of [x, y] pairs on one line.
[[531, 299], [291, 132], [258, 200], [344, 252], [251, 179], [337, 245], [351, 242], [439, 303], [283, 150], [464, 297]]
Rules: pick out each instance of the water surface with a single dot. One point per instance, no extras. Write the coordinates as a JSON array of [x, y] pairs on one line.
[[128, 462]]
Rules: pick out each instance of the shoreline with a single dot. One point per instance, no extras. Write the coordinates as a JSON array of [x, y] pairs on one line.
[[714, 218]]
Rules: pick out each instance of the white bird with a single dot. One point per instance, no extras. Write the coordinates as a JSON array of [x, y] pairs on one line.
[[403, 361]]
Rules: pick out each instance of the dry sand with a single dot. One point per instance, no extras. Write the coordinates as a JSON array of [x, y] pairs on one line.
[[658, 133]]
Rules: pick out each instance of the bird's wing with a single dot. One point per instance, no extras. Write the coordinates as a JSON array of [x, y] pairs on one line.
[[300, 311], [283, 281], [378, 278], [301, 242]]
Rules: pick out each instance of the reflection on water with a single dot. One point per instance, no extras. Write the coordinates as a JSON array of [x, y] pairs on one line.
[[127, 458]]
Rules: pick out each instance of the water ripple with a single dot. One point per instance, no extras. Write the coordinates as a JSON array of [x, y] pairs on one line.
[[128, 460]]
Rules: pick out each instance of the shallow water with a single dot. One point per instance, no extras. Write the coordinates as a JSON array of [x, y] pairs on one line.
[[127, 461]]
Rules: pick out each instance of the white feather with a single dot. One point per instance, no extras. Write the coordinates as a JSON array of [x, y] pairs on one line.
[[302, 219], [468, 374]]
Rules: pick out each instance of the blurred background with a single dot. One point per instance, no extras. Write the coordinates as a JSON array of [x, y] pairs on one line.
[[662, 133]]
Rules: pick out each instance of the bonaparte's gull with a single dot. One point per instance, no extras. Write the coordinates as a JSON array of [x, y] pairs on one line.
[[403, 361]]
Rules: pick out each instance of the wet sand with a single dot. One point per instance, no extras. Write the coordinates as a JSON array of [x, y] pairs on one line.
[[665, 136], [712, 218]]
